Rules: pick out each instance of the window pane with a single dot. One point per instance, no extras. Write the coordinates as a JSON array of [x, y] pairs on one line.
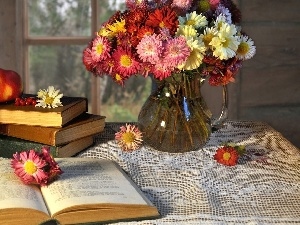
[[61, 65], [58, 66], [59, 18], [107, 8], [122, 104]]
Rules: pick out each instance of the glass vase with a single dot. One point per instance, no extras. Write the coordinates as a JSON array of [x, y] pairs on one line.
[[175, 117]]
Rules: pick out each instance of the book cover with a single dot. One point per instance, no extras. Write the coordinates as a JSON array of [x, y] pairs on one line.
[[82, 126], [38, 116], [11, 145], [88, 191]]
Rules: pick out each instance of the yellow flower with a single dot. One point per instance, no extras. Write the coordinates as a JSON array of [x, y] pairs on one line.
[[195, 58], [186, 30], [117, 27], [208, 35], [105, 32]]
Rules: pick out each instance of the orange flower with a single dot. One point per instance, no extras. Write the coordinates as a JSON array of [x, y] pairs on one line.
[[164, 17], [227, 155]]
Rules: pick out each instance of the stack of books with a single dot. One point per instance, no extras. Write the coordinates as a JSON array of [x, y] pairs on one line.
[[68, 129]]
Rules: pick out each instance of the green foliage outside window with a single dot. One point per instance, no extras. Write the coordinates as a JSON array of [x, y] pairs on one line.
[[61, 65]]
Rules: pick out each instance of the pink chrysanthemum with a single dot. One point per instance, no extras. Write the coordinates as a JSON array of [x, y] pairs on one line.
[[181, 5], [100, 49], [52, 168], [176, 51], [129, 137], [35, 168], [214, 3], [29, 167], [119, 79], [150, 48], [87, 59], [160, 71], [125, 62], [107, 66], [133, 4], [145, 69]]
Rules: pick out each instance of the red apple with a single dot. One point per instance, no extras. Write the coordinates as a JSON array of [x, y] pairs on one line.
[[10, 85]]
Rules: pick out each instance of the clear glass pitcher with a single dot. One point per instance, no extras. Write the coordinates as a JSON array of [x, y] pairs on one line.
[[175, 117]]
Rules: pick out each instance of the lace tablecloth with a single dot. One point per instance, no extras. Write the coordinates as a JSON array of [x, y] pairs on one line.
[[192, 188]]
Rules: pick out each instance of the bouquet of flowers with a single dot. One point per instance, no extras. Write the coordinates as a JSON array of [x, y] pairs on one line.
[[167, 37], [180, 43]]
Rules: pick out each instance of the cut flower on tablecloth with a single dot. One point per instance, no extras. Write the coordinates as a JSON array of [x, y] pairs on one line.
[[129, 138], [229, 154], [169, 37], [34, 167]]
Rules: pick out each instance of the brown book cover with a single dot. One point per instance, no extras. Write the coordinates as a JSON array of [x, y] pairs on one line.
[[38, 116], [11, 145], [82, 126]]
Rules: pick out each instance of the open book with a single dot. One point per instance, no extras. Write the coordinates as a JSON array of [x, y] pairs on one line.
[[89, 190]]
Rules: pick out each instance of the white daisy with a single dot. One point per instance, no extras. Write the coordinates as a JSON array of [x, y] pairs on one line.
[[186, 30], [226, 42], [246, 49], [193, 19], [220, 20], [49, 98]]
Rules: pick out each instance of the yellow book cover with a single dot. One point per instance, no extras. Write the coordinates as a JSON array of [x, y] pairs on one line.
[[38, 116], [82, 126]]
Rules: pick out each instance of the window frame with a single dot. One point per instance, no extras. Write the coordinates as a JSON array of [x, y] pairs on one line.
[[24, 41]]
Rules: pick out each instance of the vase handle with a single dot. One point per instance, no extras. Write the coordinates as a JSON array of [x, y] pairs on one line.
[[217, 123]]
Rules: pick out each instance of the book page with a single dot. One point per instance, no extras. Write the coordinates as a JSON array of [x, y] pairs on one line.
[[15, 194], [89, 181]]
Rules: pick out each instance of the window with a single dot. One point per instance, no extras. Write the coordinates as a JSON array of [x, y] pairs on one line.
[[54, 34]]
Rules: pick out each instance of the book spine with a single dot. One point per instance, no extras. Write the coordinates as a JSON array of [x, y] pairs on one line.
[[11, 145], [43, 135]]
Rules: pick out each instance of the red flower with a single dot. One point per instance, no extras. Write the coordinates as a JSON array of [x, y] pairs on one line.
[[145, 30], [220, 72], [163, 18], [227, 155], [87, 59], [125, 62]]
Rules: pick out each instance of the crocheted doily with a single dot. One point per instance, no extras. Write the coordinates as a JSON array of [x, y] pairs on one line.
[[192, 188]]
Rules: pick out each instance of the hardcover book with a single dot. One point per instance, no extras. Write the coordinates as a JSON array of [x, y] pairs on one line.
[[89, 190], [38, 116], [84, 125], [11, 145]]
